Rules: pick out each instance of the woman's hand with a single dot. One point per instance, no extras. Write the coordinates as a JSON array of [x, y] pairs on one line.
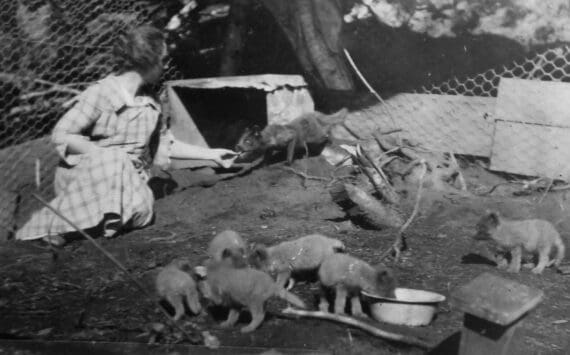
[[224, 157]]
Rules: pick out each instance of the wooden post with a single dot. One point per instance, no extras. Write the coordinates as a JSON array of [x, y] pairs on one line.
[[494, 308]]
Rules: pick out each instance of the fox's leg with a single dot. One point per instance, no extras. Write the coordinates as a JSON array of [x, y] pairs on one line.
[[193, 301], [257, 315], [516, 254], [232, 318], [356, 307], [176, 302], [543, 256], [282, 278], [340, 299], [291, 150], [323, 303]]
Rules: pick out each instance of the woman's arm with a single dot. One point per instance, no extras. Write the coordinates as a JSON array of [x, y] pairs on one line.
[[76, 143], [181, 150]]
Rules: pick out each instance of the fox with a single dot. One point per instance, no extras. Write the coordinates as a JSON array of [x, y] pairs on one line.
[[176, 286], [536, 236], [348, 276], [225, 285], [225, 242], [298, 255], [308, 131]]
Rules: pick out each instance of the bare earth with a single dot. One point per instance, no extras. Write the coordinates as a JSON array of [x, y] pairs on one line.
[[81, 296]]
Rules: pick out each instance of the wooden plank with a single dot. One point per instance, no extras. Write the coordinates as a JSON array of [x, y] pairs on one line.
[[531, 149], [495, 299], [481, 337], [100, 347], [533, 101], [450, 123]]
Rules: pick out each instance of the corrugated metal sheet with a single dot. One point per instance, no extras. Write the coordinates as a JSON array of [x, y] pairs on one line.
[[266, 82]]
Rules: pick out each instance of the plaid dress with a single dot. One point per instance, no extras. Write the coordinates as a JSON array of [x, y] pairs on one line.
[[107, 188]]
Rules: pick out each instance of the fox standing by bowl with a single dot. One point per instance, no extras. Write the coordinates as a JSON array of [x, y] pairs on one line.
[[348, 276]]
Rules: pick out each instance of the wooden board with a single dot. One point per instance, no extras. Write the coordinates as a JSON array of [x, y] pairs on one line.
[[111, 348], [449, 123], [533, 101], [496, 299], [531, 149]]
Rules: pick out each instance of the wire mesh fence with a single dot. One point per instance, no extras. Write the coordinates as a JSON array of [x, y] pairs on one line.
[[50, 53], [514, 115], [550, 65]]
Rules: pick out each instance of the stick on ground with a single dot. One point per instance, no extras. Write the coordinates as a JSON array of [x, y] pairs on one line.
[[397, 245], [354, 322]]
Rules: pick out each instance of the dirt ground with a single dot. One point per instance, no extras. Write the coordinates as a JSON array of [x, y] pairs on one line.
[[81, 296]]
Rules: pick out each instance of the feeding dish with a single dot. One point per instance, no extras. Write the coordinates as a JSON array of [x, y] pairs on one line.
[[409, 306]]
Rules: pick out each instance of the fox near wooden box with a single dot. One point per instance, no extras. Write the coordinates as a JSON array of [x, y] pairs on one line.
[[213, 112], [494, 308]]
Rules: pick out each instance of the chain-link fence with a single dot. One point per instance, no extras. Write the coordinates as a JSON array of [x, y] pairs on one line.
[[50, 51], [551, 65], [514, 115]]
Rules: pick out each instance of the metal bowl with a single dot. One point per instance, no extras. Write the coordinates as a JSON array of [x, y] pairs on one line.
[[410, 307]]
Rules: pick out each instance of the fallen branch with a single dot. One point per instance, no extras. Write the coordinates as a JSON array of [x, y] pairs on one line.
[[546, 190], [364, 208], [369, 87], [351, 321], [34, 94], [399, 242], [383, 187], [193, 338], [303, 175]]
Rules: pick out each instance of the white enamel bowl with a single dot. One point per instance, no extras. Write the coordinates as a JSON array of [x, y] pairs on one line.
[[410, 307]]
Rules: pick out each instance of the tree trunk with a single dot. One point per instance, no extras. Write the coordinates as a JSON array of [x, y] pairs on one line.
[[313, 28], [232, 54]]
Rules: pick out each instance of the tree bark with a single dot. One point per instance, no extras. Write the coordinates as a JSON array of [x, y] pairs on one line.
[[313, 29], [232, 54]]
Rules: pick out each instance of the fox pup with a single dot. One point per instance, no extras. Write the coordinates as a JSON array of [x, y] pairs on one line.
[[225, 285], [533, 235], [305, 132], [302, 254], [175, 286], [348, 276], [225, 242]]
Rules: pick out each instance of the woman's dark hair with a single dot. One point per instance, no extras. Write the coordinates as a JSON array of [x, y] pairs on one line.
[[140, 49]]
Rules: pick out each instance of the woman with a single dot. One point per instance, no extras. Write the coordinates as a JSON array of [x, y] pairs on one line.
[[104, 142]]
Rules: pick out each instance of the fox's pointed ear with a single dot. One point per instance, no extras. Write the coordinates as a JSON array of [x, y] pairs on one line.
[[494, 217], [384, 275], [259, 253]]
